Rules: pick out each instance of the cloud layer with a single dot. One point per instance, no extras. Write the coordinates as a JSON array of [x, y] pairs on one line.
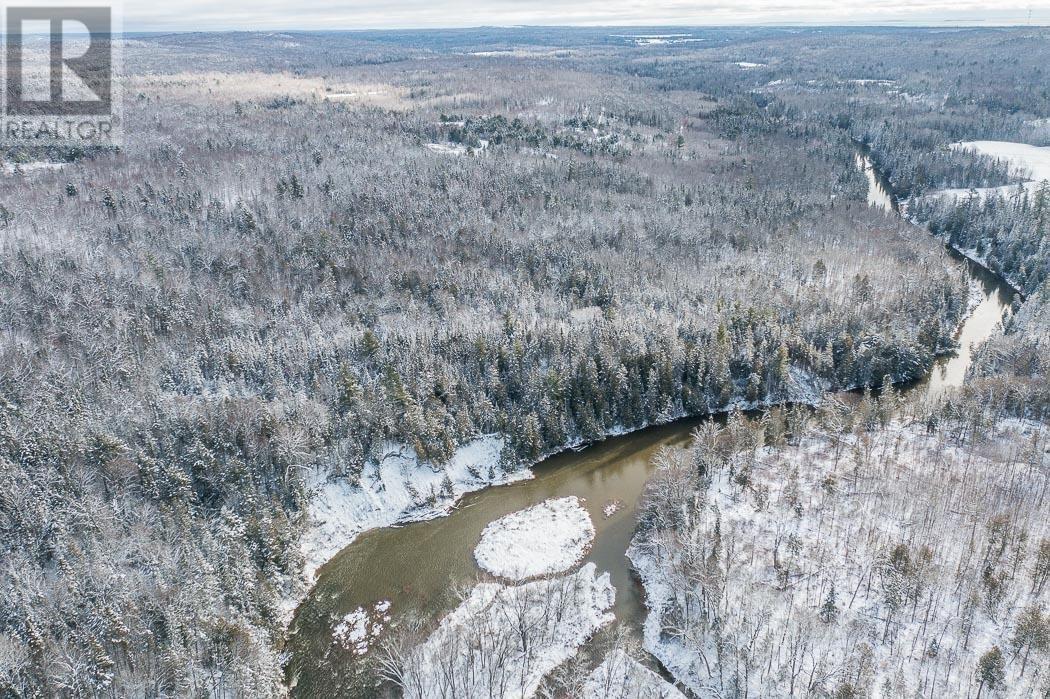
[[390, 14]]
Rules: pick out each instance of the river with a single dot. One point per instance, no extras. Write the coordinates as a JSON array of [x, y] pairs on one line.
[[418, 566]]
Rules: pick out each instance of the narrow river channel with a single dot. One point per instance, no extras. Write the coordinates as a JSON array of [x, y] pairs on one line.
[[418, 566]]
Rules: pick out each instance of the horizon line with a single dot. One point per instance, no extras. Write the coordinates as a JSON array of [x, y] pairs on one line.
[[884, 24]]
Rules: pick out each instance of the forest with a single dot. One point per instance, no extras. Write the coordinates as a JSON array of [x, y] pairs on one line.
[[315, 250]]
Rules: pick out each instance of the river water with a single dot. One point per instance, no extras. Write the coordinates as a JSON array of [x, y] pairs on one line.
[[986, 318], [418, 566]]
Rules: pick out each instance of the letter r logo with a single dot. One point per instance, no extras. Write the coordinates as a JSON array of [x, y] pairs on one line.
[[58, 61]]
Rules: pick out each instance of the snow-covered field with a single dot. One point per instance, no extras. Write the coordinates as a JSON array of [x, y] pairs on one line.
[[658, 39], [622, 677], [502, 640], [888, 562], [26, 168], [397, 489], [448, 148], [456, 148], [540, 540], [1034, 161], [882, 82]]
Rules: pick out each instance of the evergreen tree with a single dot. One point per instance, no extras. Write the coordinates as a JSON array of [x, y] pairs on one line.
[[829, 610], [991, 670]]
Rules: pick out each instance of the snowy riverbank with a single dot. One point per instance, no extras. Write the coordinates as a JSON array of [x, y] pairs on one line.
[[399, 488], [622, 677], [503, 640]]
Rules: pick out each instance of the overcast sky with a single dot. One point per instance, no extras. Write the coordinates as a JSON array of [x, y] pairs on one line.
[[146, 15]]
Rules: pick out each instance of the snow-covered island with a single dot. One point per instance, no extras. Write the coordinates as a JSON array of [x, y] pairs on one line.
[[547, 538]]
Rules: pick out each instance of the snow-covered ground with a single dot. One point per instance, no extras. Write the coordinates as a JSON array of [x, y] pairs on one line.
[[622, 677], [397, 489], [1007, 191], [674, 653], [26, 168], [1034, 161], [547, 538], [502, 640], [448, 148], [457, 148], [882, 82], [890, 560]]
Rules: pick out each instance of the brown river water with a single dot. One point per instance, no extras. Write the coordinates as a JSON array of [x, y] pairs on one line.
[[418, 566]]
